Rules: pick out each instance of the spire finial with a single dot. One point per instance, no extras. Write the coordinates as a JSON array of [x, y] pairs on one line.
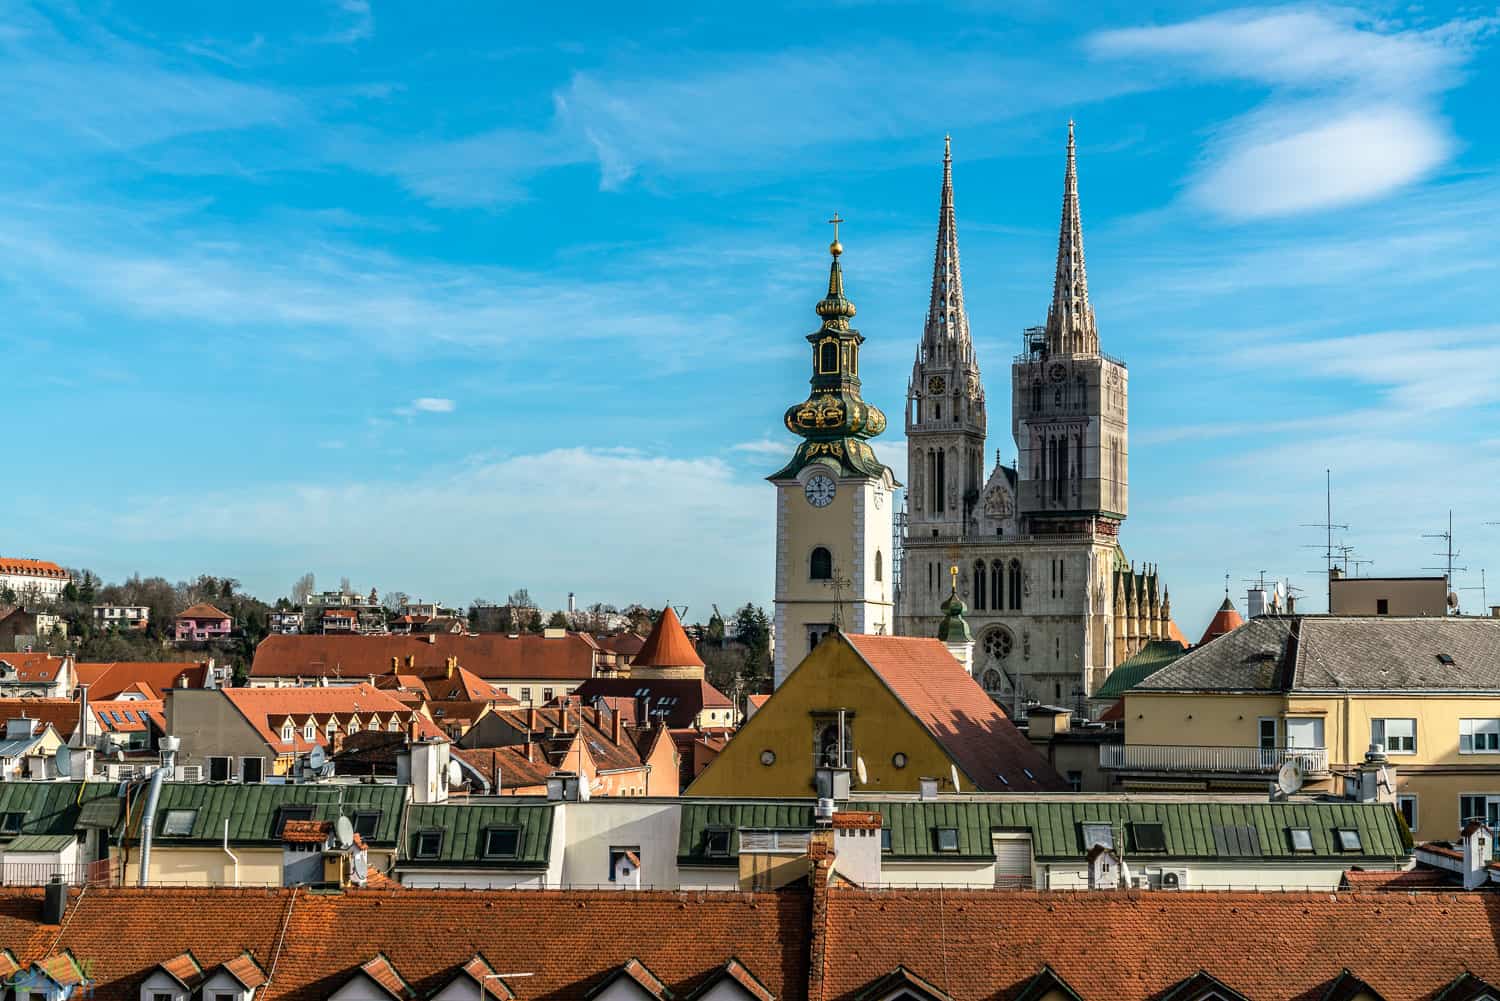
[[948, 148], [1070, 319], [835, 248], [945, 337]]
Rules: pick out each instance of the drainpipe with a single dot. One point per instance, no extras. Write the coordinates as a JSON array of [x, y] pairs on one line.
[[148, 815], [232, 857]]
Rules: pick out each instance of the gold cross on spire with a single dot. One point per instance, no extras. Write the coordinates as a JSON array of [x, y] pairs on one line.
[[953, 572], [835, 248], [835, 222]]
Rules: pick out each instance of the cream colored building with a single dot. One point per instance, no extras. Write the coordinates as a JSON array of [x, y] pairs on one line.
[[1318, 691], [833, 499]]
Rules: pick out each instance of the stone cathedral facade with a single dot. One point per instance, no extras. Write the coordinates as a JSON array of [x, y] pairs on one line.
[[1054, 604]]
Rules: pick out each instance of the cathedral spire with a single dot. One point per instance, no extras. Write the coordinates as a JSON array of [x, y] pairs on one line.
[[1070, 319], [947, 329]]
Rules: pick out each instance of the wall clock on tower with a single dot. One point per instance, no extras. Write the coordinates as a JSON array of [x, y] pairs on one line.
[[1059, 372], [820, 490], [936, 384]]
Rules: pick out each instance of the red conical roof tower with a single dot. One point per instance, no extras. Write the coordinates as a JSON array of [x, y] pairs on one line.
[[667, 652], [1226, 620]]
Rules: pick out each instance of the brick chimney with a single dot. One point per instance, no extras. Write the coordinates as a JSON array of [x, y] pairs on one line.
[[531, 719], [563, 716], [614, 726]]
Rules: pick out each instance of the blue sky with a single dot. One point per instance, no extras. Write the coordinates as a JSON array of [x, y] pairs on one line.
[[457, 298]]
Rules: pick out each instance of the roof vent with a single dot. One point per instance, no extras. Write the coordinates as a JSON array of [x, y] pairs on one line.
[[1445, 659]]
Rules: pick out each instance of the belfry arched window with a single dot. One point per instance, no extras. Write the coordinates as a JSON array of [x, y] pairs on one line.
[[828, 359], [1036, 396], [1013, 585], [821, 564], [979, 585], [997, 585], [879, 566]]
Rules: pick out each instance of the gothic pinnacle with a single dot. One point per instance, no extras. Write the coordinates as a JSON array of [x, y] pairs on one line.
[[1070, 319], [946, 335]]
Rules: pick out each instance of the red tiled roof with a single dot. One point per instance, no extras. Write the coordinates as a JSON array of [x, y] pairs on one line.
[[202, 610], [246, 970], [1174, 633], [134, 715], [184, 969], [626, 644], [941, 695], [31, 568], [340, 613], [667, 645], [1409, 879], [1140, 944], [690, 696], [306, 832], [61, 713], [106, 680], [34, 667], [857, 820], [1114, 712], [759, 700], [1226, 620], [384, 974], [488, 655], [267, 708]]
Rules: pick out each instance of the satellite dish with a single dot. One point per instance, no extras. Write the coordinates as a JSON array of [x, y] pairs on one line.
[[361, 867], [119, 754], [1452, 599], [316, 757], [343, 832], [859, 769], [953, 774], [1289, 778], [63, 758], [455, 774]]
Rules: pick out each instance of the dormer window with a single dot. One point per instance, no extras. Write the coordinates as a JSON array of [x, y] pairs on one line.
[[288, 731], [309, 732], [10, 823], [946, 839]]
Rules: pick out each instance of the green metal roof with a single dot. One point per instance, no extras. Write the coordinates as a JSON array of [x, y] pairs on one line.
[[1192, 830], [40, 843], [253, 809], [463, 826], [1151, 658], [50, 807]]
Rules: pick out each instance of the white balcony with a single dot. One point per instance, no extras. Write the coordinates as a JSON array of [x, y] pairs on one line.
[[1230, 760]]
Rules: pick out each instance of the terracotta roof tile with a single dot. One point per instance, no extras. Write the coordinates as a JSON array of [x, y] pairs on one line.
[[1409, 879], [202, 610], [34, 667], [1225, 620], [682, 699], [976, 733], [667, 645], [31, 568], [61, 713], [489, 655], [306, 832], [267, 708], [383, 973], [106, 680], [184, 969]]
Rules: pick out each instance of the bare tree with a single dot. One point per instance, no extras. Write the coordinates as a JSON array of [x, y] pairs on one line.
[[303, 588], [344, 586], [393, 600]]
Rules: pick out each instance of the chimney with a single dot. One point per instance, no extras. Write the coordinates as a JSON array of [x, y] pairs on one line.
[[1477, 840], [411, 660], [1495, 611], [563, 716], [530, 753], [182, 681], [395, 665], [432, 639], [614, 716], [55, 903], [1291, 604], [412, 730], [531, 719]]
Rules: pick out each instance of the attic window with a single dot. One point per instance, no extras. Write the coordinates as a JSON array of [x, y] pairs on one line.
[[10, 823], [1098, 834], [365, 822], [1301, 839], [429, 844], [885, 839], [947, 839], [291, 813], [1148, 837], [716, 842], [178, 823], [1349, 840], [1446, 659], [501, 842]]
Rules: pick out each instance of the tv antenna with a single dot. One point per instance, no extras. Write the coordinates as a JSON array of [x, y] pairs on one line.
[[1327, 524], [1449, 554], [1346, 554]]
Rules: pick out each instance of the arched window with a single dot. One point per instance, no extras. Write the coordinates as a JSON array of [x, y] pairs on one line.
[[288, 731], [828, 361], [309, 732], [394, 726], [1083, 392], [940, 485], [1036, 396], [997, 585], [821, 567], [1013, 585], [879, 566], [978, 585]]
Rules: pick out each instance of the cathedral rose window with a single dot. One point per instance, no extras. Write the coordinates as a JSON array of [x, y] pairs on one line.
[[997, 644]]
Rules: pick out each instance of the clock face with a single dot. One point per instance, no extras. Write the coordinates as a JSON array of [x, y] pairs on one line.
[[820, 490], [936, 384], [1058, 372]]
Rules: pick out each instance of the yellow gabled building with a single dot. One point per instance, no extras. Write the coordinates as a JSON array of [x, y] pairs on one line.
[[1318, 691], [883, 712]]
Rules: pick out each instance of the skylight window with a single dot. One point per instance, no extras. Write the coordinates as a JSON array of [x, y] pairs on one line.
[[1098, 834], [178, 823], [1148, 837], [716, 842], [501, 842], [947, 839], [292, 813], [10, 823], [429, 844], [365, 822], [1301, 839], [1349, 840]]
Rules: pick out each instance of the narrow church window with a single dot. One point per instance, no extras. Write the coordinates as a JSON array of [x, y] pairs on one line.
[[821, 564], [1036, 396], [1083, 393], [879, 566], [1014, 585], [979, 585], [1062, 573], [997, 586], [929, 578], [940, 484], [829, 363], [937, 411]]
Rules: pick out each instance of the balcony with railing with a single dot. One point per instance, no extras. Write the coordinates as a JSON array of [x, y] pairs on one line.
[[1228, 760]]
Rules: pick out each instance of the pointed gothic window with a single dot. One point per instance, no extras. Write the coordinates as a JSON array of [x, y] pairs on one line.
[[997, 585], [879, 566], [1013, 585], [979, 585], [1036, 396], [1083, 393], [821, 564], [940, 484]]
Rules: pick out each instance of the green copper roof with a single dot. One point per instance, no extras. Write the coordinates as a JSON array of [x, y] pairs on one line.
[[254, 811], [954, 628], [40, 843], [1192, 830], [834, 419], [463, 829], [50, 807], [1151, 658]]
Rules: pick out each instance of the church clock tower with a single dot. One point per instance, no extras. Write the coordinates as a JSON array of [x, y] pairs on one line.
[[833, 500]]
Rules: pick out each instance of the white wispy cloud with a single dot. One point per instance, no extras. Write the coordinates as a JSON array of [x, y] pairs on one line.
[[766, 446], [1352, 112], [433, 405]]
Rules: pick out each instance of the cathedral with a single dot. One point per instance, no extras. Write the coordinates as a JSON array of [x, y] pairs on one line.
[[1053, 602]]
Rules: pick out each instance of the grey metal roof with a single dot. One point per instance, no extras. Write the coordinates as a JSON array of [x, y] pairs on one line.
[[1330, 653]]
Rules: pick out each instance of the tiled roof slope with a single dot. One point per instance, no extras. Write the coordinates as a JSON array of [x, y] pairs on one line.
[[31, 568], [266, 708], [976, 733], [489, 655], [1330, 653], [691, 695], [667, 645], [33, 667], [569, 940], [61, 713], [107, 680], [1118, 945], [202, 610], [1226, 620]]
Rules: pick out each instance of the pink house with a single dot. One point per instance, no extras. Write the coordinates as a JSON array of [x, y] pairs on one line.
[[201, 623]]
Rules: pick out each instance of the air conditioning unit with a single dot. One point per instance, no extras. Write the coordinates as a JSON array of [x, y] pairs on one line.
[[1172, 879], [191, 773]]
